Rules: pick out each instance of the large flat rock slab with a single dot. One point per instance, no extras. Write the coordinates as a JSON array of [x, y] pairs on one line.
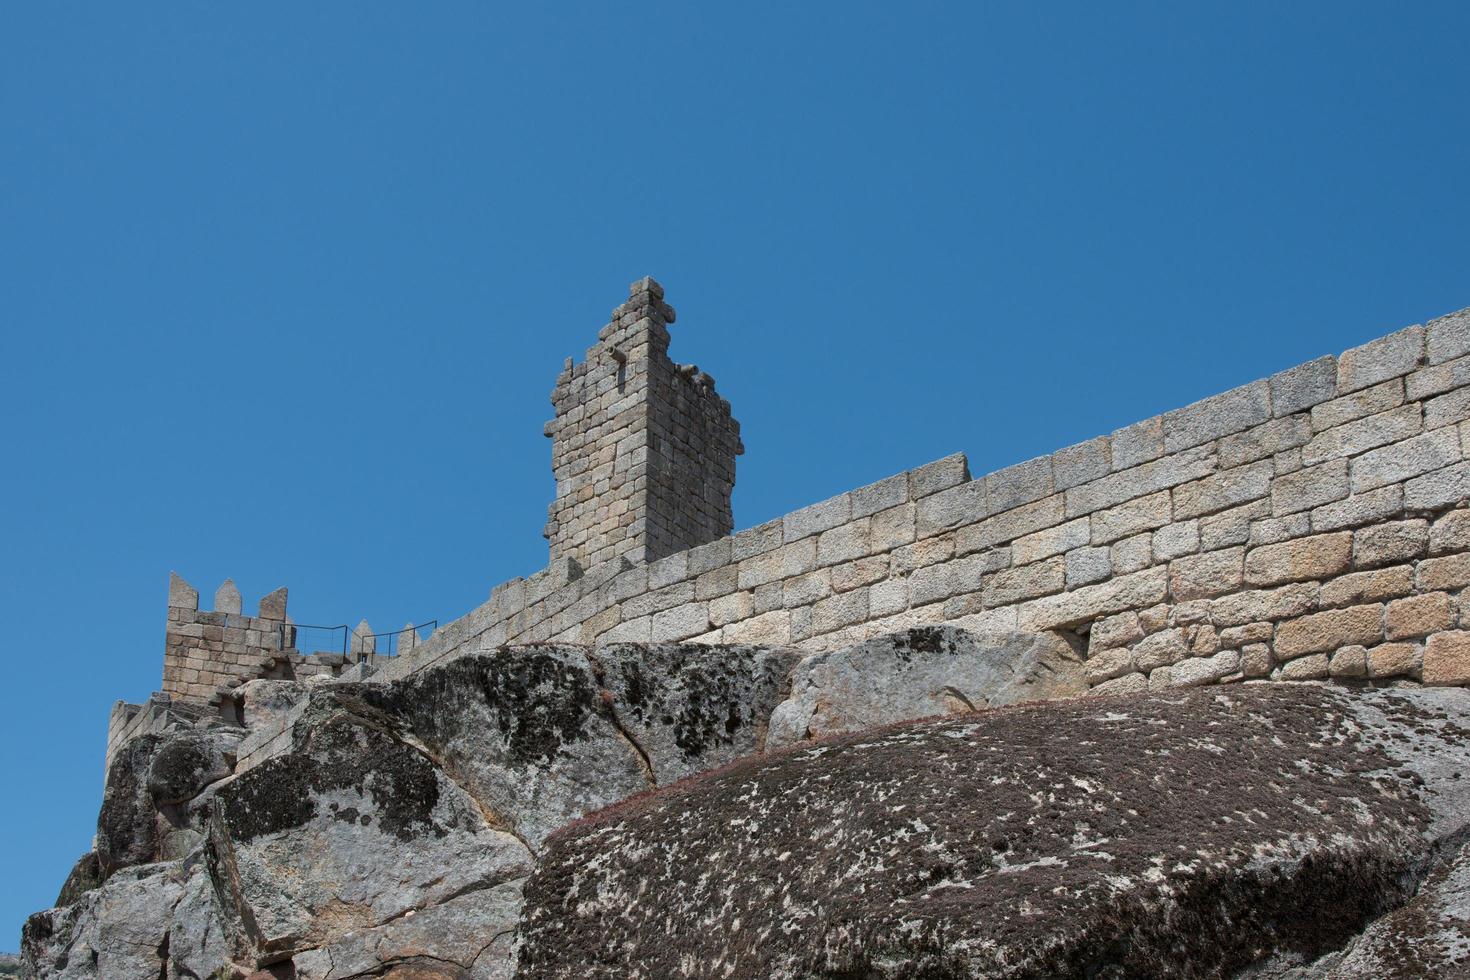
[[1193, 834], [932, 670]]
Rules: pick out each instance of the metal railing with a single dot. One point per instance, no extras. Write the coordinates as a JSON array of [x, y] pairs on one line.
[[393, 635], [291, 634]]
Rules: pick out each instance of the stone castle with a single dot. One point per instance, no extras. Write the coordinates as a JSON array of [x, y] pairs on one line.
[[1309, 525], [851, 741]]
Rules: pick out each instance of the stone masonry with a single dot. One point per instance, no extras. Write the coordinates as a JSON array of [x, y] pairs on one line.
[[1308, 526], [1311, 525], [208, 653], [643, 449]]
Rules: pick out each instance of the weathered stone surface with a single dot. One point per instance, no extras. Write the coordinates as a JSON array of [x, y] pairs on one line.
[[1360, 625], [1304, 558], [1380, 359], [184, 764], [922, 672], [863, 859], [688, 708], [1210, 574], [1447, 658], [227, 598], [1303, 386], [181, 595]]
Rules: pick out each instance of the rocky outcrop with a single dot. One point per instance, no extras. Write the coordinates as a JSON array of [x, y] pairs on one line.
[[934, 670], [396, 830], [1195, 834]]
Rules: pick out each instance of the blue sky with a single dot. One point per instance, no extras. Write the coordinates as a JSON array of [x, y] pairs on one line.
[[284, 288]]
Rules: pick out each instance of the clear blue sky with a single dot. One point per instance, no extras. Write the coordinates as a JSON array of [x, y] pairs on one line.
[[284, 288]]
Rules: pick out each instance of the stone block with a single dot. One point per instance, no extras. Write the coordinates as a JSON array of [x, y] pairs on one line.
[[1437, 379], [1219, 415], [1390, 544], [681, 622], [1313, 667], [1174, 540], [1394, 660], [882, 495], [1381, 359], [1132, 554], [731, 608], [838, 611], [1114, 631], [893, 527], [863, 571], [963, 504], [1349, 662], [1256, 660], [1017, 584], [717, 582], [758, 540], [1007, 527], [1419, 615], [1360, 508], [921, 554], [1196, 671], [931, 478], [771, 629], [1137, 443], [1353, 438], [667, 571], [1238, 636], [1088, 565], [1447, 487], [1374, 586], [1309, 488], [1447, 409], [1359, 404], [1265, 440], [1020, 484], [888, 597], [1405, 460], [1127, 684], [708, 557], [1050, 541], [937, 582], [1082, 463], [181, 595], [1143, 514], [1258, 605], [1449, 573], [1190, 464], [1074, 608], [1299, 388], [1107, 665], [1329, 630], [844, 543], [771, 595], [1450, 533], [818, 517], [1224, 489], [1447, 337], [1317, 557], [273, 606], [1206, 575], [1231, 526], [1161, 649], [1274, 530], [805, 590], [1447, 659], [227, 598]]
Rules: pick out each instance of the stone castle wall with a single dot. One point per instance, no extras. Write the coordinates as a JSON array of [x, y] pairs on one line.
[[643, 449], [1307, 525], [207, 653]]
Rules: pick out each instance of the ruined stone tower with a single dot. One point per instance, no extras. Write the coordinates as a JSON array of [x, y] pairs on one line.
[[643, 449]]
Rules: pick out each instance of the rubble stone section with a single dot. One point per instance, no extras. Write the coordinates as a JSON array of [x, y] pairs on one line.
[[643, 449], [208, 653], [1308, 526]]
